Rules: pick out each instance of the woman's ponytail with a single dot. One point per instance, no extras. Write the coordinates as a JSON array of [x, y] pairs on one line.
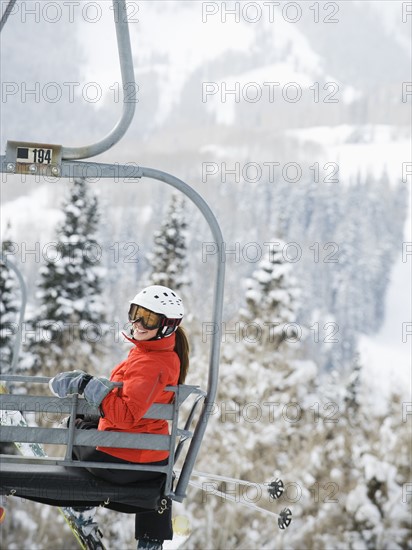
[[182, 350]]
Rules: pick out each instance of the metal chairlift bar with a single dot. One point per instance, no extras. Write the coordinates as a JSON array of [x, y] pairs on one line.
[[7, 12], [196, 441], [54, 461], [57, 407], [174, 432], [72, 427], [184, 438], [78, 169], [184, 389], [85, 438], [128, 79]]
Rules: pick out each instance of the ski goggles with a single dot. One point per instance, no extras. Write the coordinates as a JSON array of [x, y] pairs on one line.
[[148, 319]]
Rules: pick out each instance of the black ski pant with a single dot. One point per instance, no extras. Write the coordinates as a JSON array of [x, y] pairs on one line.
[[148, 523]]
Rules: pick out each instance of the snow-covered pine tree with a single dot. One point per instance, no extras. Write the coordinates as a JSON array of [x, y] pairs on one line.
[[9, 307], [375, 503], [272, 300], [356, 457], [168, 258], [70, 320], [262, 414]]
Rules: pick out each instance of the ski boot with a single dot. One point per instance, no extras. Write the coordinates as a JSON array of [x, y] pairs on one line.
[[82, 519], [149, 544]]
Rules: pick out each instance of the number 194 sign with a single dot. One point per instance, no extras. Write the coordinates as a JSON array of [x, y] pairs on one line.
[[33, 158]]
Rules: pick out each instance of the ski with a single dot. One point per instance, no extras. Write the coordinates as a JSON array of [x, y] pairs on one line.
[[86, 540]]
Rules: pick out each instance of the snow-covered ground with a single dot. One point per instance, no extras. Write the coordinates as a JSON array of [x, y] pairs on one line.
[[361, 149], [387, 355], [31, 216]]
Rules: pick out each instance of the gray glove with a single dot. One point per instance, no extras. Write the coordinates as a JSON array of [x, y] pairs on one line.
[[97, 389], [69, 383]]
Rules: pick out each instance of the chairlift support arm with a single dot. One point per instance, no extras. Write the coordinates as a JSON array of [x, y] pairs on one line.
[[128, 81], [6, 13]]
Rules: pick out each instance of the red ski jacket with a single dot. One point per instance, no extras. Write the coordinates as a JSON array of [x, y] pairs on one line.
[[149, 368]]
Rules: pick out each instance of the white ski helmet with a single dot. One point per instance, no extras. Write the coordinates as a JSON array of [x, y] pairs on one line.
[[163, 300]]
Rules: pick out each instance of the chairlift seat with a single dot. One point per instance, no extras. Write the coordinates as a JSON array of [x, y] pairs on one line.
[[76, 487], [66, 482]]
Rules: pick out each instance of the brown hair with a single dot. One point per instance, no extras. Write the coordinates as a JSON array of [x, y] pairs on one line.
[[182, 350]]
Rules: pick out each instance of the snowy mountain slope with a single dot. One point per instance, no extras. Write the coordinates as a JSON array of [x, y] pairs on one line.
[[207, 35], [178, 47], [387, 355], [43, 217], [366, 149]]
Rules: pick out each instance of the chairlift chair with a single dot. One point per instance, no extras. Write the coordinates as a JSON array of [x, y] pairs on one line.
[[64, 481]]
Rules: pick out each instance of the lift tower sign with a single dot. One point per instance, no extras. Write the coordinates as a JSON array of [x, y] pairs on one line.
[[33, 158]]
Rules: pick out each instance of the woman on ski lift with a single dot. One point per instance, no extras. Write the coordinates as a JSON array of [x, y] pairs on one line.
[[159, 358]]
